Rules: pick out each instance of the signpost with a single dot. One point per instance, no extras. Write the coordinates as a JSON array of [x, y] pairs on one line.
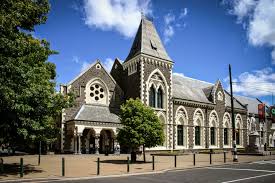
[[272, 113], [261, 112]]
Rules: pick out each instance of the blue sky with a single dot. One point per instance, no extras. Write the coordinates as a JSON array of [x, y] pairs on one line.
[[201, 37]]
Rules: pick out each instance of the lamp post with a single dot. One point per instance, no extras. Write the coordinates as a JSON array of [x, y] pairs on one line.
[[235, 157]]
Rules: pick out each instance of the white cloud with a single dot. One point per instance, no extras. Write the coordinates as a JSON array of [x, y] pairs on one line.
[[256, 83], [84, 66], [243, 8], [108, 64], [75, 59], [258, 17], [120, 15], [171, 21], [178, 74], [183, 13]]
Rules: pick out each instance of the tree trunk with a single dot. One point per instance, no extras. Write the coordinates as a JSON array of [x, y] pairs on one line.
[[133, 156], [144, 158]]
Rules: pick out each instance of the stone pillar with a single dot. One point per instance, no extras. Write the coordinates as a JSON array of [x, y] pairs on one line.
[[75, 144], [79, 143], [116, 147], [97, 143]]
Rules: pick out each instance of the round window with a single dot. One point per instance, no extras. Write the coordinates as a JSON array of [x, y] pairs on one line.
[[97, 92]]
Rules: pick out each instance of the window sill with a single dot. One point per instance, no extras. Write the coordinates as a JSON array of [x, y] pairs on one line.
[[198, 147], [181, 147], [213, 146], [158, 109]]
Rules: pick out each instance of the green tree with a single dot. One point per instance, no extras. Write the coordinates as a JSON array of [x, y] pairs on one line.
[[141, 127], [29, 103]]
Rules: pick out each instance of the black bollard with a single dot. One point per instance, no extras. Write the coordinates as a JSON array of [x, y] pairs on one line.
[[63, 166], [194, 159], [1, 165], [210, 158], [21, 168], [224, 157], [153, 163], [98, 166], [128, 165], [175, 163], [39, 156]]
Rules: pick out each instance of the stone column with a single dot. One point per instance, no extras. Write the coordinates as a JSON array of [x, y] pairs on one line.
[[79, 143], [97, 143], [116, 147], [75, 144]]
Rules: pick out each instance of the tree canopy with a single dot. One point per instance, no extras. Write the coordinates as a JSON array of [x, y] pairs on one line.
[[141, 126], [29, 103]]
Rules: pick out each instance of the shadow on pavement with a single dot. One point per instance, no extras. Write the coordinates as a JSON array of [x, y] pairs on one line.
[[123, 162], [14, 169]]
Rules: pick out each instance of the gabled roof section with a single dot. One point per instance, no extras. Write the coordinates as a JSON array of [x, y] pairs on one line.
[[252, 103], [83, 72], [147, 41], [88, 68], [96, 114], [237, 103], [190, 89]]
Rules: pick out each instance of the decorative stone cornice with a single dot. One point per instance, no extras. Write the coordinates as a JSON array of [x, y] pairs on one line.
[[193, 103], [94, 123]]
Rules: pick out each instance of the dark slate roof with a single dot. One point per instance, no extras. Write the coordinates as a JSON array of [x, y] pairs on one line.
[[190, 89], [147, 41], [97, 113], [237, 104], [251, 102], [196, 90]]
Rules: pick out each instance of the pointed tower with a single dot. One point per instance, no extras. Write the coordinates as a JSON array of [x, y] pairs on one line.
[[149, 75]]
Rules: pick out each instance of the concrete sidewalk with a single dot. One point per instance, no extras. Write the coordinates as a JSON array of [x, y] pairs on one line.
[[86, 165]]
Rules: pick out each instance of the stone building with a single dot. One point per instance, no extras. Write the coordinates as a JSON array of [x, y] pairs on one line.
[[195, 114]]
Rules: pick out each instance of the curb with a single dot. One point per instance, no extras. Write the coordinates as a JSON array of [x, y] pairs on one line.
[[57, 179]]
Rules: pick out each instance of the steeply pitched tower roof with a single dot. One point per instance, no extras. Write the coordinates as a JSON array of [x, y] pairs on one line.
[[147, 41]]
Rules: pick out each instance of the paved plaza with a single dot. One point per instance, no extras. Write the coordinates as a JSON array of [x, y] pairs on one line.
[[86, 165]]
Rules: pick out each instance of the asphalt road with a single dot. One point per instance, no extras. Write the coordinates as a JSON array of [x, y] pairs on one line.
[[256, 172]]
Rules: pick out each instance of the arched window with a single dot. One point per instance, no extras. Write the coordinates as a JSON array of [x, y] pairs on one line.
[[181, 119], [160, 98], [180, 135], [238, 133], [213, 131], [212, 136], [197, 136], [237, 136], [96, 92], [225, 136], [152, 96], [199, 131]]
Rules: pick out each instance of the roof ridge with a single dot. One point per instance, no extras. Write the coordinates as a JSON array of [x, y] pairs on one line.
[[83, 72], [194, 79]]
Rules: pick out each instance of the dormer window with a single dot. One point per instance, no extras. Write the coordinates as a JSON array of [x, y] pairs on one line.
[[153, 45], [220, 96]]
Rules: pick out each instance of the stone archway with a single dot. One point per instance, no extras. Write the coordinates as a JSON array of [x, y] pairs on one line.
[[106, 141]]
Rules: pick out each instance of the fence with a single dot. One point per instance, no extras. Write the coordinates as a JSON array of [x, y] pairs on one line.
[[91, 165]]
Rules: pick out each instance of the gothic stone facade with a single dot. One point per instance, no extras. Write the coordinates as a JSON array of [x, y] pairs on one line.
[[195, 114]]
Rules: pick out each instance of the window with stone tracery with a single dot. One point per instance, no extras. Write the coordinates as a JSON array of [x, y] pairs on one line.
[[96, 92], [152, 97], [160, 98], [156, 91]]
